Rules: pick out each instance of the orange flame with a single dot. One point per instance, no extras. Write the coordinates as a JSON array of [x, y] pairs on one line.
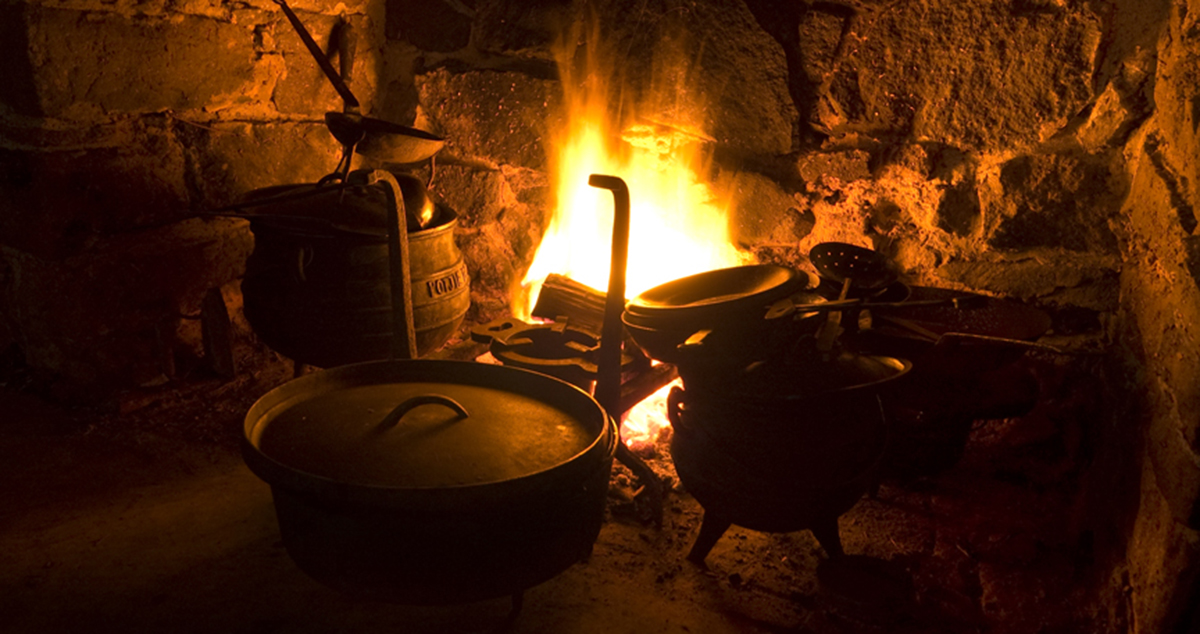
[[678, 224]]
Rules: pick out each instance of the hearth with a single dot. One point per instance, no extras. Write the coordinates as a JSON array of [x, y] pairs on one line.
[[1036, 158]]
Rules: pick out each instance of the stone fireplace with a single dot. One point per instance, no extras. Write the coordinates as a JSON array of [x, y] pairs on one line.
[[1043, 150]]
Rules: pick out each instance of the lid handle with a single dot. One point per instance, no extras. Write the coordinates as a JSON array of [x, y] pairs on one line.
[[393, 418]]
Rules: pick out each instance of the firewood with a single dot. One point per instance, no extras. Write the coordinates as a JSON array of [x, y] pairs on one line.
[[582, 305], [638, 388]]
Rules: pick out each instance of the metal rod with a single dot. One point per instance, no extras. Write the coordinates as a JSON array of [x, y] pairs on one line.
[[340, 86], [608, 379], [612, 333], [404, 336], [712, 527], [281, 198]]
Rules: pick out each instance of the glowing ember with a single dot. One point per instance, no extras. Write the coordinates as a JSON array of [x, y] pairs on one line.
[[642, 425]]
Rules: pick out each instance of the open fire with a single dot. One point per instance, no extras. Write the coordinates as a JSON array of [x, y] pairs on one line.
[[679, 221]]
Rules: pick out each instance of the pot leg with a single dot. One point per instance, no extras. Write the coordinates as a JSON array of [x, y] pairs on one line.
[[712, 528], [652, 486], [826, 532], [518, 601]]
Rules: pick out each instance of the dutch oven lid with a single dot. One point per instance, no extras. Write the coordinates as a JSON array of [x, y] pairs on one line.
[[421, 424]]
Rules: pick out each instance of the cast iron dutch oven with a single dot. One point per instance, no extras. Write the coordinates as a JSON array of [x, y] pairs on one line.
[[432, 482]]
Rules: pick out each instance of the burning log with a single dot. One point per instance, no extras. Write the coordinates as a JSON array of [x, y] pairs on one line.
[[582, 305], [640, 387]]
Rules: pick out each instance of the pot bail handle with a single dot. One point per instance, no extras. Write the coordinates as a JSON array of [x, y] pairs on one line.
[[404, 333], [393, 417], [675, 407]]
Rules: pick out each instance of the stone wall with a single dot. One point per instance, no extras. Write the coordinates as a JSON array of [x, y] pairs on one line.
[[1039, 149], [1160, 284], [967, 140], [120, 122]]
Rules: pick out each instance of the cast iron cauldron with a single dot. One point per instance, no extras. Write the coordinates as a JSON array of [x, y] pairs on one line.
[[316, 286], [780, 447], [432, 482]]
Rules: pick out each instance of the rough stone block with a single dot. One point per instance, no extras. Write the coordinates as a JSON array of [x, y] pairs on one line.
[[959, 210], [99, 318], [1053, 277], [1176, 462], [532, 188], [1057, 201], [478, 195], [502, 216], [708, 66], [227, 160], [497, 267], [1156, 292], [498, 117], [508, 27], [302, 87], [1173, 358], [1175, 99], [765, 215], [834, 168], [55, 198], [523, 227], [1171, 171], [86, 64], [440, 27], [981, 76], [1160, 551], [1107, 123]]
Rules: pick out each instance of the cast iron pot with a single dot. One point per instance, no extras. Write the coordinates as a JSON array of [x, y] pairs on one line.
[[432, 482], [781, 449], [317, 285], [736, 343]]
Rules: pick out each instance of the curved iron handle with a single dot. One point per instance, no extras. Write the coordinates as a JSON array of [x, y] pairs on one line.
[[404, 334], [304, 257], [675, 406], [393, 417], [608, 379]]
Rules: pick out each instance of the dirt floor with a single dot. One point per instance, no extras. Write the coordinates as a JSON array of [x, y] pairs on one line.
[[143, 518]]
